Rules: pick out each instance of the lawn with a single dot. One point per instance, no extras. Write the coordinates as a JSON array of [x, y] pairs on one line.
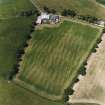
[[85, 7], [10, 8], [54, 57]]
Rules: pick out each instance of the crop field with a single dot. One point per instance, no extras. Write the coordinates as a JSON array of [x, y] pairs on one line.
[[85, 7], [92, 86], [54, 56], [9, 8]]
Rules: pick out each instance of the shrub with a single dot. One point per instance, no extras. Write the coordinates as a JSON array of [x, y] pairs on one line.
[[68, 12]]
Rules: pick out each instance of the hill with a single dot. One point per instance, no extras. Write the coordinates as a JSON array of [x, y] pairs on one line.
[[85, 7]]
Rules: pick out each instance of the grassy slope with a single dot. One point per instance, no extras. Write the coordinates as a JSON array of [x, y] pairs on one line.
[[57, 53], [81, 6], [10, 8]]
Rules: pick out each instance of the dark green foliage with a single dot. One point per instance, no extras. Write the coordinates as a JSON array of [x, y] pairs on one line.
[[101, 1], [104, 30], [88, 18], [29, 13], [83, 70], [68, 12], [48, 10]]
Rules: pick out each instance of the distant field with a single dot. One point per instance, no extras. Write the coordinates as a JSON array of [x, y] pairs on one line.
[[87, 7], [54, 56], [10, 8]]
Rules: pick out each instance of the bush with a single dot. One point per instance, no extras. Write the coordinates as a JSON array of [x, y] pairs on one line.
[[68, 12], [48, 10], [104, 30], [83, 70], [88, 18]]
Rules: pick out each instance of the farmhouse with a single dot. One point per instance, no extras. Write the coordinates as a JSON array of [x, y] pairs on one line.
[[47, 18]]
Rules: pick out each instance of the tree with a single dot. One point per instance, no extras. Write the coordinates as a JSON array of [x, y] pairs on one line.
[[53, 11], [68, 12], [64, 13], [46, 9]]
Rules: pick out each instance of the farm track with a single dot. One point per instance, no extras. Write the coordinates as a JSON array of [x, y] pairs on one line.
[[86, 101]]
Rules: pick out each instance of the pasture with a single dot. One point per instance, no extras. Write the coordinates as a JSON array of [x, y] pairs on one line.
[[13, 35], [11, 8], [54, 57], [85, 7], [92, 86]]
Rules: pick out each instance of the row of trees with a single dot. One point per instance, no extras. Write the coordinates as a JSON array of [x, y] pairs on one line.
[[72, 13], [48, 10], [19, 54], [88, 18], [29, 13], [68, 12]]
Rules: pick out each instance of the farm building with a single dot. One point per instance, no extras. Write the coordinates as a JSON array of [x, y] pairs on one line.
[[47, 18]]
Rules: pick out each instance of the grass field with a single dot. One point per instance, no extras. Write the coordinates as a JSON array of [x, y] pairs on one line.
[[13, 35], [92, 86], [87, 7], [54, 56], [9, 8]]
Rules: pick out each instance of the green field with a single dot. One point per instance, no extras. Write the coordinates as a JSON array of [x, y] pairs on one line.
[[54, 56], [10, 8], [13, 35], [85, 7]]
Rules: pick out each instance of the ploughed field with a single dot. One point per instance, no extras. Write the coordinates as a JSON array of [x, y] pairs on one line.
[[54, 57]]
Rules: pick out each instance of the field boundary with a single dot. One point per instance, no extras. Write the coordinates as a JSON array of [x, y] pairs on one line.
[[89, 101], [37, 91], [82, 76]]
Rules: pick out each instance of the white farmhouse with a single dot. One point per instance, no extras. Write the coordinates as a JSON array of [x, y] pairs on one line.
[[39, 20], [43, 16]]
